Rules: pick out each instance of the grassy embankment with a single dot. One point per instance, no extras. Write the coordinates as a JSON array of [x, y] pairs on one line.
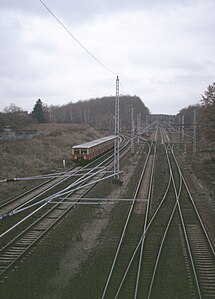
[[39, 155]]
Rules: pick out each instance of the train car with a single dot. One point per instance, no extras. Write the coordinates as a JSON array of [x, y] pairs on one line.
[[85, 152]]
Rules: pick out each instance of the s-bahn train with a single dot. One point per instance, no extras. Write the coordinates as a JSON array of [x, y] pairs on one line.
[[85, 152]]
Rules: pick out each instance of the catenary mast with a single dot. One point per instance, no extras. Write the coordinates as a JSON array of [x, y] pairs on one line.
[[116, 148]]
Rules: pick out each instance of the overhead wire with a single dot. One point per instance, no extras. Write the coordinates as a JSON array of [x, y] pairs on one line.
[[97, 60], [80, 44], [122, 87]]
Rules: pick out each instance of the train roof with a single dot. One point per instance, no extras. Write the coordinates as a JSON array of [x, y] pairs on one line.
[[94, 142]]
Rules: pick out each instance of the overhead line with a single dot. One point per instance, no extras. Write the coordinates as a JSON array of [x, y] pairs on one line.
[[80, 44], [122, 87]]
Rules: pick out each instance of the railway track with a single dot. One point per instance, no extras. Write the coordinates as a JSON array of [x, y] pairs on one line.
[[165, 233], [132, 230], [20, 237], [200, 250], [57, 181], [36, 192], [163, 249]]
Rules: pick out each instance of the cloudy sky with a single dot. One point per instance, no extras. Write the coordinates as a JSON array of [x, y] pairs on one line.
[[162, 50]]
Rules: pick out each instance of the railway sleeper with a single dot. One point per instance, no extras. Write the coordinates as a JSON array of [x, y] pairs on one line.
[[206, 267], [9, 251], [31, 237], [5, 260], [23, 241], [8, 255], [59, 211], [17, 248], [200, 246], [54, 217], [26, 242], [210, 291], [209, 283], [2, 268], [44, 224], [8, 259]]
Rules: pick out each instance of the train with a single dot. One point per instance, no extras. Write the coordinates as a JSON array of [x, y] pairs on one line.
[[85, 152]]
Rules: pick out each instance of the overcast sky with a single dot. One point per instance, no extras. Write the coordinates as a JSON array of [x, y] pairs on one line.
[[162, 50]]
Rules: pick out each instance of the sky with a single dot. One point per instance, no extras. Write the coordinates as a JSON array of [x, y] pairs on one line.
[[162, 50]]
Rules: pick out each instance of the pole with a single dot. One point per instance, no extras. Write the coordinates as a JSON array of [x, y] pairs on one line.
[[116, 148], [132, 130], [194, 134]]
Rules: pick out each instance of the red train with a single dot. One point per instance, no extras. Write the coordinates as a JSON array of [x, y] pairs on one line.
[[89, 150]]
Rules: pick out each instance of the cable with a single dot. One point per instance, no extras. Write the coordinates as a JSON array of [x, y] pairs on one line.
[[69, 32], [122, 87]]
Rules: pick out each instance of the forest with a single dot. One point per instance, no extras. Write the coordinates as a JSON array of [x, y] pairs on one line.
[[99, 113], [205, 116]]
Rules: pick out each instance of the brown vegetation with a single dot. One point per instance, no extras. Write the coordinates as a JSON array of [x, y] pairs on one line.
[[39, 155], [99, 113], [204, 163]]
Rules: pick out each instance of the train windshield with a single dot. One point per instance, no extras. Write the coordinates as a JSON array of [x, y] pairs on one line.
[[83, 151]]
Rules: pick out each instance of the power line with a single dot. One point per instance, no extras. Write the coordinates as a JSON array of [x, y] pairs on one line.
[[80, 44], [122, 87]]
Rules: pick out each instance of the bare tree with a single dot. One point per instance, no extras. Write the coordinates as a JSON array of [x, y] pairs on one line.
[[12, 108], [207, 113]]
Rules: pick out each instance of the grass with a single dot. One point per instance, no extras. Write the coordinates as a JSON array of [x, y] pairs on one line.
[[39, 155]]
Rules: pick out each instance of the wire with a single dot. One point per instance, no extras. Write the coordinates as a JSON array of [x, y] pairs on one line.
[[69, 32], [122, 87]]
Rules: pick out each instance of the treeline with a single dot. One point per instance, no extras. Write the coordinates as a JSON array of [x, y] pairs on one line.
[[16, 118], [205, 116], [100, 112]]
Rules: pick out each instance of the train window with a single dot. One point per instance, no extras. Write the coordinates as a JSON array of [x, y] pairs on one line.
[[76, 151], [83, 151]]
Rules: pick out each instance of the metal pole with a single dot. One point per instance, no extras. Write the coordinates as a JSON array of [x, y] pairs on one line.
[[179, 129], [138, 127], [132, 130], [194, 133], [147, 124], [116, 148], [182, 128]]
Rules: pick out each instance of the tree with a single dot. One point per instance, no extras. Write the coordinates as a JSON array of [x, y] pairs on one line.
[[207, 113], [14, 117], [188, 113], [99, 112], [38, 114], [12, 108]]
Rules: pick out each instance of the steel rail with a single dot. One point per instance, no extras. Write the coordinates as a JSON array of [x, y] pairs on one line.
[[149, 196], [43, 203], [30, 191], [46, 200], [46, 190], [177, 196], [187, 242], [123, 141], [149, 225], [196, 210], [186, 235], [125, 227], [144, 235], [38, 235], [177, 204]]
